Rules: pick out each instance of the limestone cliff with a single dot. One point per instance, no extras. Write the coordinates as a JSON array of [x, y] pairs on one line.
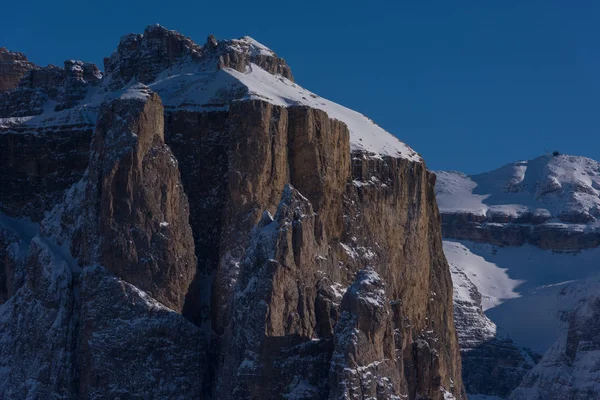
[[13, 66], [215, 240]]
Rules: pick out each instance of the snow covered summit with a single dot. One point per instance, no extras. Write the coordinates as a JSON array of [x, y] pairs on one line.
[[560, 188], [188, 76], [523, 242]]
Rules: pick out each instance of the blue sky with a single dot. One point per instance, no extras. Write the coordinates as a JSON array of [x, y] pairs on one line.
[[470, 85]]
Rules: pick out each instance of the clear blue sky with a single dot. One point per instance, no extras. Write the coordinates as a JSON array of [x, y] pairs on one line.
[[470, 85]]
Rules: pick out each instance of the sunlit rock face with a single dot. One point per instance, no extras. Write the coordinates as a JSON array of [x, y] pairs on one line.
[[13, 66], [192, 223]]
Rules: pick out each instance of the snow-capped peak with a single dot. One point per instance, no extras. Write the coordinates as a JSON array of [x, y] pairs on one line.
[[248, 45], [557, 186], [211, 77]]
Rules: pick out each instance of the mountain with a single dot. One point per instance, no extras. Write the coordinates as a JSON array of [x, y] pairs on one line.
[[522, 243], [13, 66], [569, 369], [191, 223]]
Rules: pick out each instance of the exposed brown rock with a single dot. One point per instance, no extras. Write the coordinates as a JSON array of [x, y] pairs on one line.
[[13, 66], [320, 165], [388, 221], [143, 213], [129, 343], [464, 226], [348, 275], [257, 172]]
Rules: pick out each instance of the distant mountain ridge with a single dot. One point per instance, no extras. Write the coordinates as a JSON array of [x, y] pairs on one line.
[[523, 243]]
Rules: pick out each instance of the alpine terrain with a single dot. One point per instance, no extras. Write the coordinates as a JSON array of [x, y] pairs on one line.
[[188, 222], [523, 246]]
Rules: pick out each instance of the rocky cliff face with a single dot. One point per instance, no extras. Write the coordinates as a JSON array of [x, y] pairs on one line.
[[522, 243], [12, 68], [215, 239], [492, 364], [550, 202]]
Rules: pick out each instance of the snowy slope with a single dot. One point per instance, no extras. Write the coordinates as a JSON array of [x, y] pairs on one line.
[[189, 87], [560, 187], [200, 85], [492, 281], [526, 235], [526, 291], [364, 133], [571, 368]]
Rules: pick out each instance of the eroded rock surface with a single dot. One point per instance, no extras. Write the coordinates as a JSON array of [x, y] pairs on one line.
[[225, 245], [136, 192], [13, 66]]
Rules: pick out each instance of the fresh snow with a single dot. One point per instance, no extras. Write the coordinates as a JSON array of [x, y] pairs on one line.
[[251, 46], [12, 121], [364, 134], [491, 281], [201, 86], [526, 291], [454, 193], [548, 185], [137, 91]]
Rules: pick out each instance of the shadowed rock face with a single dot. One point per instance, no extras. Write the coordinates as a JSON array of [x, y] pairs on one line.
[[34, 178], [239, 254], [142, 209], [360, 224], [545, 236], [569, 369], [62, 87], [129, 343]]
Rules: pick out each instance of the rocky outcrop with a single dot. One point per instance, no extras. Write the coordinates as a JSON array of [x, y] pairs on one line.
[[496, 367], [106, 323], [364, 363], [128, 343], [240, 53], [65, 87], [238, 251], [13, 66], [38, 327], [274, 302], [135, 190], [569, 369], [547, 236], [341, 196], [144, 56]]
